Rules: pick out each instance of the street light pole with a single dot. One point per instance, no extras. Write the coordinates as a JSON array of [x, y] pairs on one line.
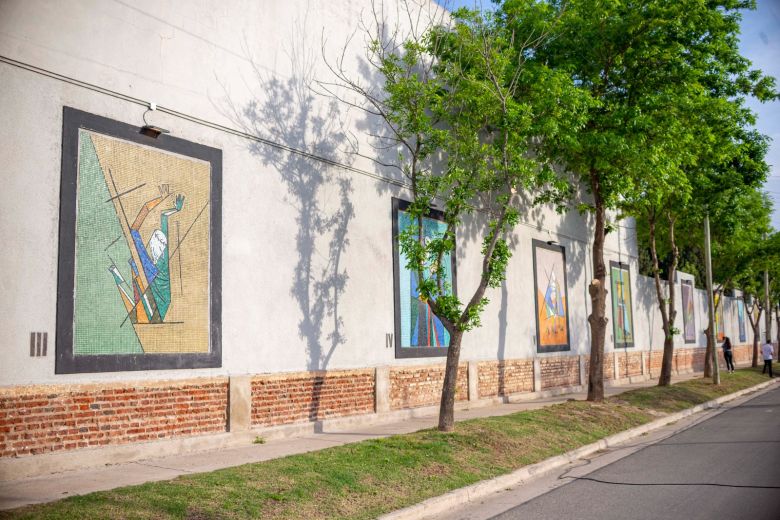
[[768, 314], [710, 301]]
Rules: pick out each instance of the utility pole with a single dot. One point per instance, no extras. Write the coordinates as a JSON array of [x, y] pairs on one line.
[[768, 314], [711, 301]]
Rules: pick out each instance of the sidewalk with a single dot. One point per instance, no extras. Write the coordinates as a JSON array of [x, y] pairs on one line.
[[17, 493]]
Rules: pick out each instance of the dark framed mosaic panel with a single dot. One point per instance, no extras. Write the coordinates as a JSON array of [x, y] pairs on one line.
[[741, 320], [622, 311], [688, 311], [418, 332], [550, 297], [139, 275], [720, 326]]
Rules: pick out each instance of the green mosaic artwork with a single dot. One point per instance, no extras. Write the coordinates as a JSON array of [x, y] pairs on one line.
[[142, 250]]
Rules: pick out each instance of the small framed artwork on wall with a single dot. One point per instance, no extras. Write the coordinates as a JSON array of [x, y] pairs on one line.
[[418, 332], [551, 297], [741, 320], [622, 311], [689, 315]]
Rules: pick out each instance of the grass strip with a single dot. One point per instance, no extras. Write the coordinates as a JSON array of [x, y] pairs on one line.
[[366, 479]]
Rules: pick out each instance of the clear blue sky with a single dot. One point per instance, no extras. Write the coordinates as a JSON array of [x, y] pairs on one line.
[[759, 42]]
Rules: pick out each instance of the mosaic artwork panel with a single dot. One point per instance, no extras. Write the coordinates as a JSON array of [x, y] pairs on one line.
[[142, 250], [720, 327], [552, 313], [689, 316], [420, 328], [622, 315], [418, 332], [140, 257], [741, 321]]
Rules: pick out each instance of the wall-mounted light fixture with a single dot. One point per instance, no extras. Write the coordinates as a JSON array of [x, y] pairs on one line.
[[152, 130]]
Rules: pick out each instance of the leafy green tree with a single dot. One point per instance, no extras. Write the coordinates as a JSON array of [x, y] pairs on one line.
[[495, 105], [718, 179], [764, 258], [773, 262], [740, 227], [666, 209], [465, 109], [751, 282], [640, 62]]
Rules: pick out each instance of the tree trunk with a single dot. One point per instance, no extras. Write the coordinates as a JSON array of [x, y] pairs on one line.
[[756, 338], [768, 307], [668, 310], [756, 326], [598, 298], [447, 406], [711, 337]]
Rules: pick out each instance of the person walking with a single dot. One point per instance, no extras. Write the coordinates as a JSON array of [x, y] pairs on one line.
[[728, 354], [767, 350]]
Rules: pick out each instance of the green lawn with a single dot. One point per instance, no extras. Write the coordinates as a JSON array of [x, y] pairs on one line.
[[368, 478]]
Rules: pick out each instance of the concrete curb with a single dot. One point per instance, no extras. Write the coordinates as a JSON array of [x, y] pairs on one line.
[[440, 504]]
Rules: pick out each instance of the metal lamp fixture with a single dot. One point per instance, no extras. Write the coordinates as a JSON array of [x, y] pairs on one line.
[[152, 130]]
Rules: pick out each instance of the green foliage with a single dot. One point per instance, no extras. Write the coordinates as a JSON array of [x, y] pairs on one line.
[[470, 110], [662, 75], [668, 137]]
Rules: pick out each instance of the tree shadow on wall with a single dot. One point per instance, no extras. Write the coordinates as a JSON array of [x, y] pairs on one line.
[[287, 111]]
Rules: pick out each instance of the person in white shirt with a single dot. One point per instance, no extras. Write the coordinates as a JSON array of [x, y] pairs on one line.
[[767, 350]]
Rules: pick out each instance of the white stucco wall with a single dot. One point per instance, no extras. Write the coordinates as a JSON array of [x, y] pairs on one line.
[[232, 68]]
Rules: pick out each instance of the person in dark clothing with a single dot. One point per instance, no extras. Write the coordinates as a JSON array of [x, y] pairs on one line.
[[767, 350], [728, 354]]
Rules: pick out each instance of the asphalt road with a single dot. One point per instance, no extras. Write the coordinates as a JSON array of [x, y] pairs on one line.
[[721, 464], [727, 467]]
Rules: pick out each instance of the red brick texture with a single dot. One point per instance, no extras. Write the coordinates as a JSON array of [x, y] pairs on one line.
[[411, 387], [656, 358], [311, 396], [560, 371], [629, 363], [608, 364], [41, 419], [743, 355], [692, 359], [501, 378], [688, 359]]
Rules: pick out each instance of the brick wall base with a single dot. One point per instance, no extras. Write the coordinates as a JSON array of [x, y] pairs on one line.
[[560, 371], [411, 387], [503, 378], [42, 419], [608, 364], [629, 363], [311, 396]]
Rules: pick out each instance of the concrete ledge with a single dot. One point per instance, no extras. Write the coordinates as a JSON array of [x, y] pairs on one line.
[[441, 504]]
